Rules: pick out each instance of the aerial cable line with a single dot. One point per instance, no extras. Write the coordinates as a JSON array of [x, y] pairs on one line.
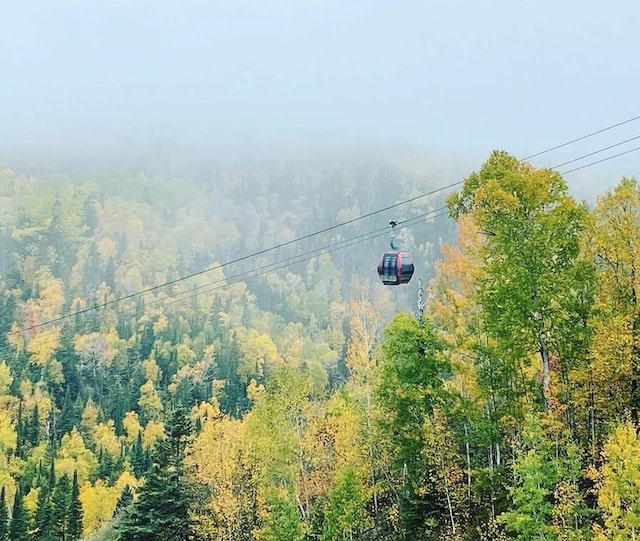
[[596, 152], [597, 132], [320, 232], [635, 149], [270, 267], [238, 260], [299, 258]]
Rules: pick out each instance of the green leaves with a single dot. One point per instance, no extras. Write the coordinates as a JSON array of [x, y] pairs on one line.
[[546, 469], [531, 260], [410, 386]]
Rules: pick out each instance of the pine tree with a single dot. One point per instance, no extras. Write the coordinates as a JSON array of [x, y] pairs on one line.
[[33, 433], [162, 509], [18, 530], [139, 457], [44, 512], [74, 524], [20, 433], [4, 516], [125, 500], [60, 506]]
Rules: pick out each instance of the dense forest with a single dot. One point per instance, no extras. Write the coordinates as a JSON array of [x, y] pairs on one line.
[[213, 358]]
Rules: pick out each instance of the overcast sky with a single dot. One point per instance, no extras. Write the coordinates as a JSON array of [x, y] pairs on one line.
[[458, 76]]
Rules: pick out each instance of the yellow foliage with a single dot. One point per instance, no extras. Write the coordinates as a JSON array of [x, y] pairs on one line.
[[218, 464], [344, 422], [51, 298], [7, 481], [98, 504], [131, 425], [35, 394], [30, 501], [206, 411], [106, 249], [89, 417], [453, 303], [26, 388], [151, 370], [94, 350], [104, 437], [614, 243], [365, 323], [618, 484], [185, 356], [152, 433], [53, 371], [260, 356], [16, 338], [150, 400], [6, 379], [42, 345], [8, 436], [161, 325], [126, 479], [255, 391], [73, 455]]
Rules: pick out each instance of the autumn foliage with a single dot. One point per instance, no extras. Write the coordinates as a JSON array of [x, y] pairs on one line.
[[305, 401]]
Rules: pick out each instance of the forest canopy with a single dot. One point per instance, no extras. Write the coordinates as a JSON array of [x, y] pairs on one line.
[[288, 395]]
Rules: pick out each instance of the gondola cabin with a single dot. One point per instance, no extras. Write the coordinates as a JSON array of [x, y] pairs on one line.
[[395, 268]]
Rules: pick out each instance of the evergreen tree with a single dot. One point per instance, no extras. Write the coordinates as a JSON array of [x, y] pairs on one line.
[[146, 342], [44, 512], [70, 414], [19, 528], [8, 304], [20, 433], [125, 500], [139, 457], [162, 509], [4, 516], [74, 524], [33, 432], [60, 500]]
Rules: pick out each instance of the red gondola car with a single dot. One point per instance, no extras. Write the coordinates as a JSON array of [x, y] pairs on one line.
[[395, 268]]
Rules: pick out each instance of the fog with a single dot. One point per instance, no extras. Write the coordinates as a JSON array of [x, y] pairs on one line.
[[124, 81]]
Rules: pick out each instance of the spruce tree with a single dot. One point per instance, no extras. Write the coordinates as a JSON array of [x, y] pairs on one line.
[[125, 500], [60, 506], [162, 509], [75, 515], [33, 433], [19, 528], [44, 515], [4, 516], [20, 433], [139, 457]]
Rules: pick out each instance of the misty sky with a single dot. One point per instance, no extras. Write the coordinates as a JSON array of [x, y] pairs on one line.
[[458, 76]]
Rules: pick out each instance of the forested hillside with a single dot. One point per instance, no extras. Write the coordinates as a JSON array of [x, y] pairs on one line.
[[165, 374]]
